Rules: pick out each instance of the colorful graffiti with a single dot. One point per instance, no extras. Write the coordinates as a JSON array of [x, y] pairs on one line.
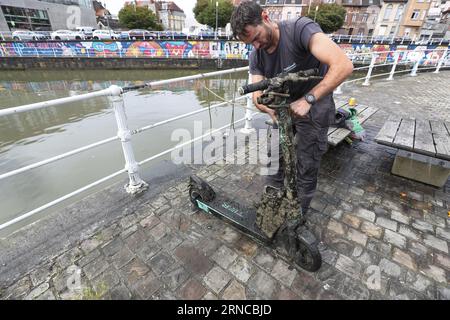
[[137, 49], [201, 49]]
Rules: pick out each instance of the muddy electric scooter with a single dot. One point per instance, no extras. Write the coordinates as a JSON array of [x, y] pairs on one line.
[[277, 220]]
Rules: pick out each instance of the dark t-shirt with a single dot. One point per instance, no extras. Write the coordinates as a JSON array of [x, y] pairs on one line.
[[293, 47]]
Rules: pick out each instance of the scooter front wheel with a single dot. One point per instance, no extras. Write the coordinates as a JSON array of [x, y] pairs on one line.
[[308, 256]]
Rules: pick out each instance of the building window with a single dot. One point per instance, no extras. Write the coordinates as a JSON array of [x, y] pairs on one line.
[[387, 12], [345, 18], [288, 15], [399, 12], [420, 1], [407, 32], [364, 17], [81, 3], [354, 17], [25, 18], [297, 14], [415, 15]]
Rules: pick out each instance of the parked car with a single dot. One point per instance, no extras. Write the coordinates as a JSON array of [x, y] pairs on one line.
[[172, 35], [67, 35], [26, 35], [105, 34], [141, 34], [124, 35], [86, 31]]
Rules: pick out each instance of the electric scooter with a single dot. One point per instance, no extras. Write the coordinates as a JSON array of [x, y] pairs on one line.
[[277, 221]]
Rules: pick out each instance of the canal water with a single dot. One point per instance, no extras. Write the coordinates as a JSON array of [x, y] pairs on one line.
[[33, 136]]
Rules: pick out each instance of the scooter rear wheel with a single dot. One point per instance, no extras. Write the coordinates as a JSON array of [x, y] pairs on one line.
[[194, 195], [308, 256]]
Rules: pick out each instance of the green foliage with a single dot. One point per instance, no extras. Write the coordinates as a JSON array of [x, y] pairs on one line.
[[205, 12], [138, 18], [330, 16]]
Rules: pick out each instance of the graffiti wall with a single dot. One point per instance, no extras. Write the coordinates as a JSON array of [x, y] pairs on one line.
[[138, 49], [199, 49], [427, 55]]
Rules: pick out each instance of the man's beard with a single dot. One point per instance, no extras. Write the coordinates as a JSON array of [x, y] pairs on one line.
[[269, 31]]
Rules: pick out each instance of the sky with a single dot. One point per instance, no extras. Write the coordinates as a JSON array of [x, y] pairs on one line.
[[187, 5]]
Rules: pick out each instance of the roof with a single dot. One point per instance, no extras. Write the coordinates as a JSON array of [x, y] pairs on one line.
[[172, 6]]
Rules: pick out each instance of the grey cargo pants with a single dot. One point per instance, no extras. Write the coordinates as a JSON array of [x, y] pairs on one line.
[[311, 144]]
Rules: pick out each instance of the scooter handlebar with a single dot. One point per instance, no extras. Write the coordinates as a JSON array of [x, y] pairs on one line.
[[252, 87], [264, 84]]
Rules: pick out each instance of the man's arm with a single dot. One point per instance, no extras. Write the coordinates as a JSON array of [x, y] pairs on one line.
[[340, 67], [256, 94]]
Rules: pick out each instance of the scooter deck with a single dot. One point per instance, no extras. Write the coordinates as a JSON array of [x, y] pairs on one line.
[[241, 216]]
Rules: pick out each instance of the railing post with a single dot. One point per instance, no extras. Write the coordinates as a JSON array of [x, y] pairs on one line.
[[248, 129], [441, 60], [391, 74], [136, 184], [414, 69], [369, 72], [338, 90]]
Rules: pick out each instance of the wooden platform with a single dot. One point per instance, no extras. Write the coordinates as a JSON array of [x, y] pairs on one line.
[[427, 137], [337, 135]]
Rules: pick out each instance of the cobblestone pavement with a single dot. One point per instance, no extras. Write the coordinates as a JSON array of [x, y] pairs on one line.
[[366, 218]]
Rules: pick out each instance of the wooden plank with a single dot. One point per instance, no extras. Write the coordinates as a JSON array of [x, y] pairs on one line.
[[405, 135], [360, 108], [337, 136], [447, 125], [423, 138], [438, 127], [331, 130], [442, 142], [366, 114], [388, 132]]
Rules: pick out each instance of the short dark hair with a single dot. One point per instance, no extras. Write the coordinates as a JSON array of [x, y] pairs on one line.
[[245, 14]]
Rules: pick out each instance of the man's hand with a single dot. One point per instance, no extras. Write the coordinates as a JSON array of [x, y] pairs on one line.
[[300, 108]]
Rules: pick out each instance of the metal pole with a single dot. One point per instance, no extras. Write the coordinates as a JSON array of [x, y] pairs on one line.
[[136, 184], [414, 69], [441, 61], [248, 112], [369, 72], [391, 74], [217, 16]]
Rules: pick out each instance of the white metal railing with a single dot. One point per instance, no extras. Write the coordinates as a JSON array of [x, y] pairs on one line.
[[115, 95], [212, 35]]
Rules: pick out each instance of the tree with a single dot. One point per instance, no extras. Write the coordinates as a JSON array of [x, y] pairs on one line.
[[330, 16], [205, 12], [138, 18]]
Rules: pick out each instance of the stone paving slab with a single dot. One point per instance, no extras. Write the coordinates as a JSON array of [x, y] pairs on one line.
[[382, 236]]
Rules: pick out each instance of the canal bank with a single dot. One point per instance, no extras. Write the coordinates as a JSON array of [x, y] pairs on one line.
[[111, 63]]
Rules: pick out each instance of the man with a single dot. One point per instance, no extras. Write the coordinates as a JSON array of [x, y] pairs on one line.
[[276, 47]]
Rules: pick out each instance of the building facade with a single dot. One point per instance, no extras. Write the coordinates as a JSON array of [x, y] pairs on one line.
[[390, 18], [436, 24], [284, 9], [45, 15], [361, 18], [168, 13], [171, 16], [414, 18]]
